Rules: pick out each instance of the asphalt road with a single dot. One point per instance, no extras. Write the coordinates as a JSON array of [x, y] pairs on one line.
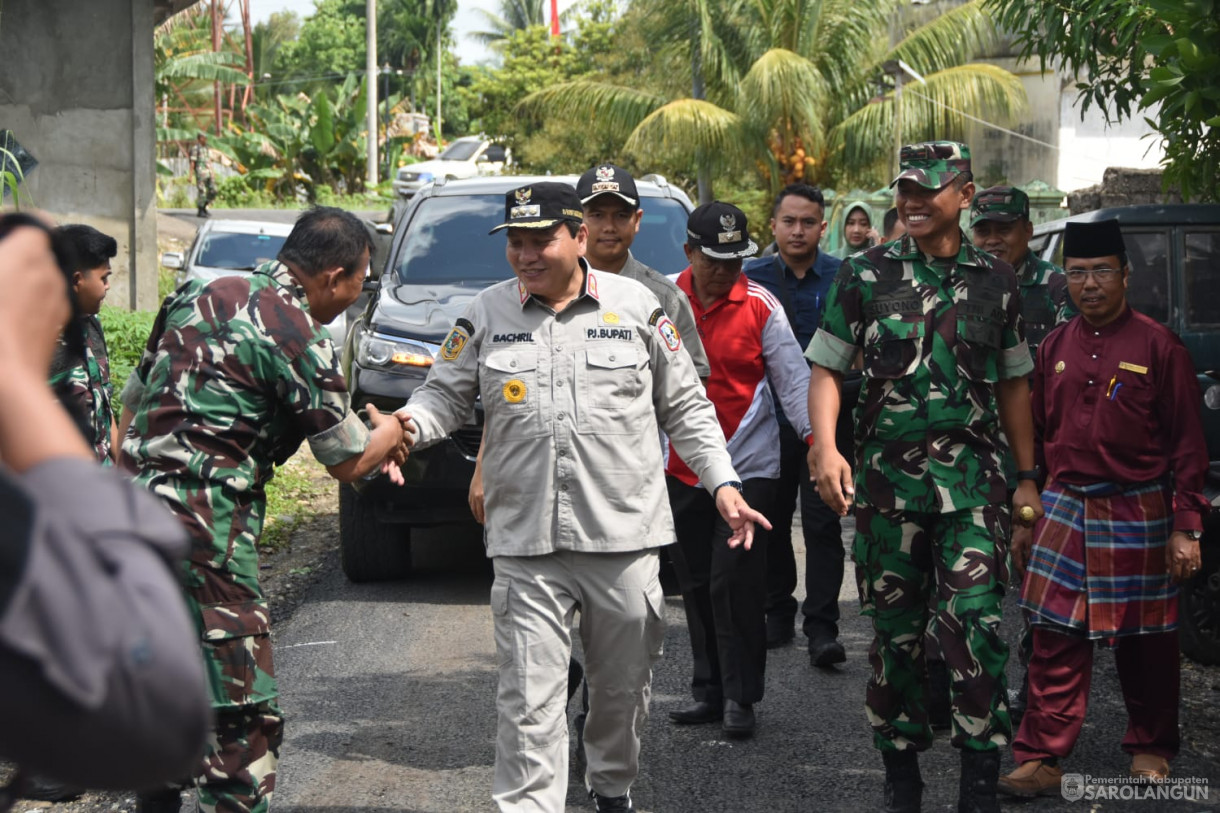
[[389, 695]]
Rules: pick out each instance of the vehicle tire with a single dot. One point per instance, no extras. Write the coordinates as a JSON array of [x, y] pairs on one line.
[[369, 550], [1199, 602]]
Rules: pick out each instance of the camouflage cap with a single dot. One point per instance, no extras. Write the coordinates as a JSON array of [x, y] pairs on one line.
[[1004, 204], [932, 164]]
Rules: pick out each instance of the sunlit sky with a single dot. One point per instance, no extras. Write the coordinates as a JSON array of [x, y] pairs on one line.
[[467, 20]]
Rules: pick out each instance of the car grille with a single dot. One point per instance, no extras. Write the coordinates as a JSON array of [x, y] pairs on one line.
[[468, 440], [408, 176]]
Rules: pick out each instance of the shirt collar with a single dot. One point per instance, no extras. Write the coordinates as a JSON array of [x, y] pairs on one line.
[[282, 276], [587, 289], [907, 249], [1106, 331], [738, 293], [817, 267]]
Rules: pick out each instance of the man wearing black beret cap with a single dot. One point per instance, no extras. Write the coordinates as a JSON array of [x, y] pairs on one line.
[[1116, 408], [577, 370]]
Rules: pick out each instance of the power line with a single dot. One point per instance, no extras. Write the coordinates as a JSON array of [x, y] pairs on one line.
[[983, 122]]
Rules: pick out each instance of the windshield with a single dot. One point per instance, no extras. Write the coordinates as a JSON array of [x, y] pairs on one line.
[[238, 251], [447, 242], [459, 151]]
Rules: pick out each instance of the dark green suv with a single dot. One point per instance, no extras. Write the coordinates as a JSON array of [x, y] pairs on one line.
[[1174, 252]]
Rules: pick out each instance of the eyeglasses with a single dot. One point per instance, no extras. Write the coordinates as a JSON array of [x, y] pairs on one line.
[[1077, 276]]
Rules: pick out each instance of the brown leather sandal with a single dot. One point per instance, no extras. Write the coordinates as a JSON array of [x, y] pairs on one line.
[[1150, 767]]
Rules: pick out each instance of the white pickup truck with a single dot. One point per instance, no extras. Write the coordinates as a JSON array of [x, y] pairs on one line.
[[463, 158]]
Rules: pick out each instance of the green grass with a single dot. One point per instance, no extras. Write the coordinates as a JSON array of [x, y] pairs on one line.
[[291, 497]]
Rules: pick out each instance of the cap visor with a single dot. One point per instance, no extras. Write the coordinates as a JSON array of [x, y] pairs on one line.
[[629, 201], [926, 178], [529, 223], [998, 217], [749, 250]]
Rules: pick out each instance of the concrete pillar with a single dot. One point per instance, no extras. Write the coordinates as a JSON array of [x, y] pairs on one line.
[[76, 89]]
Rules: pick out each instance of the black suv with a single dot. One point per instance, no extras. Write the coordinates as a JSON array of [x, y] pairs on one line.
[[1174, 251], [440, 258]]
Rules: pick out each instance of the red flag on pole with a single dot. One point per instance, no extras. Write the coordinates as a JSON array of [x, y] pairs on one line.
[[554, 18]]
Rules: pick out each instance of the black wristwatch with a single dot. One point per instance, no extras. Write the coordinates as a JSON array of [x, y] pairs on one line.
[[733, 483], [1034, 474], [1194, 536]]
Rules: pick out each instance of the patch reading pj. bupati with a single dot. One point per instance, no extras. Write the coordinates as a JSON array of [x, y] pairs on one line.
[[455, 342], [669, 334], [514, 391]]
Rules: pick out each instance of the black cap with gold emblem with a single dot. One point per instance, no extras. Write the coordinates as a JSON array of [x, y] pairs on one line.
[[540, 206], [607, 179], [720, 231]]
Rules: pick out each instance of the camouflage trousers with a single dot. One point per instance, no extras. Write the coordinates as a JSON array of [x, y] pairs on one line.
[[238, 771], [901, 558], [205, 189]]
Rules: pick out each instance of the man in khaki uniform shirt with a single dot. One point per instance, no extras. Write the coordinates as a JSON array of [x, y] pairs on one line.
[[577, 371]]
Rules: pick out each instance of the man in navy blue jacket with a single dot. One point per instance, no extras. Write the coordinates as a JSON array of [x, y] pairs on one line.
[[799, 275]]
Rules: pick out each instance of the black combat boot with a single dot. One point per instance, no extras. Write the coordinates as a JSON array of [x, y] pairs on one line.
[[903, 785], [162, 800], [980, 772]]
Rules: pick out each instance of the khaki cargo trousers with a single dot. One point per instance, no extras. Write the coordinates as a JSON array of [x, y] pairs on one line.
[[534, 600]]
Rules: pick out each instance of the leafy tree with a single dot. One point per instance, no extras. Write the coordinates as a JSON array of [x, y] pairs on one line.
[[1160, 57], [788, 86], [267, 39], [533, 60], [185, 67], [331, 45]]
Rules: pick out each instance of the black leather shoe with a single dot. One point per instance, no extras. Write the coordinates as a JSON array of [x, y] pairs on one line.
[[738, 719], [779, 631], [826, 652], [698, 713], [605, 803]]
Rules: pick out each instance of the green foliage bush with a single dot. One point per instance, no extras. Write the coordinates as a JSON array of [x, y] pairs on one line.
[[126, 334], [237, 192]]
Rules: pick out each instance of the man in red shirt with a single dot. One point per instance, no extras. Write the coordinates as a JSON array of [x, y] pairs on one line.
[[1116, 407], [748, 342]]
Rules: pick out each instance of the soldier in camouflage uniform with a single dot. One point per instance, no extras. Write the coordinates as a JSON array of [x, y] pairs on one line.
[[945, 366], [1000, 225], [80, 371], [205, 184], [237, 372]]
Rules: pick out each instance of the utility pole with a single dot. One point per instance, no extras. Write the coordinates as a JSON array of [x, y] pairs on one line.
[[438, 82], [370, 82], [216, 111]]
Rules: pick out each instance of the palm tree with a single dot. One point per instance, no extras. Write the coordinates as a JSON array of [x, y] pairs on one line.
[[801, 108], [515, 15]]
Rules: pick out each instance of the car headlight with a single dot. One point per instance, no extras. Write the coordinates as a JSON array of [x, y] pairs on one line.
[[424, 177], [395, 354]]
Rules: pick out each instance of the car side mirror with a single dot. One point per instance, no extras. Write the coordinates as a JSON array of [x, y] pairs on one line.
[[173, 259], [384, 228]]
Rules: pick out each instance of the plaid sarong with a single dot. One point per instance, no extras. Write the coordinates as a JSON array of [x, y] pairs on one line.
[[1098, 560]]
